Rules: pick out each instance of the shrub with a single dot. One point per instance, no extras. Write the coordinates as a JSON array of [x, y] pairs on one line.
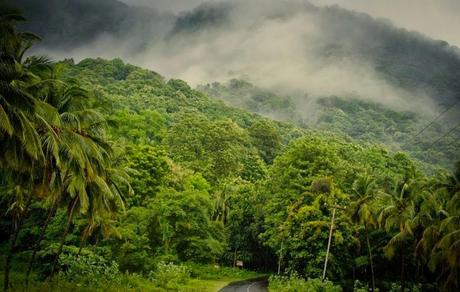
[[210, 272], [294, 283], [88, 269], [362, 287], [169, 275]]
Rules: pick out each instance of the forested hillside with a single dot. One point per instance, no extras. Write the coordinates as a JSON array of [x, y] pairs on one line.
[[115, 178], [426, 139]]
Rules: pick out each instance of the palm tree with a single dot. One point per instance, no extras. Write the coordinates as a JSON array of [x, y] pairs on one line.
[[362, 211], [101, 221], [101, 211], [57, 135], [17, 104], [222, 200], [398, 213], [441, 237], [73, 142], [96, 190], [52, 144], [20, 149]]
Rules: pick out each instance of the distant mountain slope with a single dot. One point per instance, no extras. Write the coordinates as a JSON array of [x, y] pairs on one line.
[[405, 59], [132, 96], [367, 122], [124, 87]]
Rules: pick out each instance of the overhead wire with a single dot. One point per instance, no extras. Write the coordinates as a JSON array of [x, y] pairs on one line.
[[436, 119], [445, 135]]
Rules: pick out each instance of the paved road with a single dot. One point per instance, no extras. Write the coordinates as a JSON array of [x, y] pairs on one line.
[[255, 285]]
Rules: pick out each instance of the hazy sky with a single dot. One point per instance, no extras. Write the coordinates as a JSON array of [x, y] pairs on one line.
[[439, 19], [168, 5]]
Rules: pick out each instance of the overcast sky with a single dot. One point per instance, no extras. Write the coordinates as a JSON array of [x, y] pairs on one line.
[[439, 19], [168, 5]]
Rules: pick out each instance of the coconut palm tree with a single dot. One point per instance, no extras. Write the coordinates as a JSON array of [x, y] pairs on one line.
[[53, 146], [362, 211], [64, 140], [398, 213], [97, 186], [440, 242], [20, 149], [101, 190], [102, 222], [20, 141]]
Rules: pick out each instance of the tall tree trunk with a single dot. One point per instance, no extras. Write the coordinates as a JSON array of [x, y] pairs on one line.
[[97, 241], [280, 257], [329, 244], [403, 283], [82, 242], [50, 216], [13, 241], [64, 235], [370, 257]]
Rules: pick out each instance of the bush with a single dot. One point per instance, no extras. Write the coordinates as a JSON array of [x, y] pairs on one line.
[[211, 272], [294, 283], [362, 287], [88, 270], [170, 276], [410, 287]]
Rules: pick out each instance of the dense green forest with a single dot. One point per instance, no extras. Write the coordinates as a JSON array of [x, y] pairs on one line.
[[113, 178]]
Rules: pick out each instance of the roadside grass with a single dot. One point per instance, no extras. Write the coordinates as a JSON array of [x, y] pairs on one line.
[[204, 278], [199, 285]]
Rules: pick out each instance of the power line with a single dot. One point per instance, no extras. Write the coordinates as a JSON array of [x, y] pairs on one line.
[[435, 120], [445, 135]]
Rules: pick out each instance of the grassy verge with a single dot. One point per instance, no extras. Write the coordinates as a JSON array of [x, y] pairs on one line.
[[208, 278], [204, 278], [199, 285]]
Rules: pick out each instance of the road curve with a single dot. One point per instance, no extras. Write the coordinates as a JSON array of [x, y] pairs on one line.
[[254, 285]]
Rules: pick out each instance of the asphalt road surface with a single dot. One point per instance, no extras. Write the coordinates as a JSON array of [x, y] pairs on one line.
[[255, 285]]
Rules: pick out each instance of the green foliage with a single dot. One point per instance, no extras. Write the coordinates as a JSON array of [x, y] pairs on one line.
[[266, 139], [142, 127], [245, 95], [88, 270], [134, 250], [210, 272], [181, 225], [294, 283], [170, 276], [151, 165], [364, 121], [217, 149]]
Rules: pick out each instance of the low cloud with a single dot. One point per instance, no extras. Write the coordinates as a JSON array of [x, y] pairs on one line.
[[288, 46]]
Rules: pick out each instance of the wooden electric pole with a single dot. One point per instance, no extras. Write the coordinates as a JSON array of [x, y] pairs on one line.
[[329, 243]]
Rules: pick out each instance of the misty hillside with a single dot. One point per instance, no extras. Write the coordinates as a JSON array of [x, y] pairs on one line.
[[365, 121], [404, 59]]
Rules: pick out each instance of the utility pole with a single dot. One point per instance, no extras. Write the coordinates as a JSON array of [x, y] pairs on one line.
[[329, 243], [280, 257]]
